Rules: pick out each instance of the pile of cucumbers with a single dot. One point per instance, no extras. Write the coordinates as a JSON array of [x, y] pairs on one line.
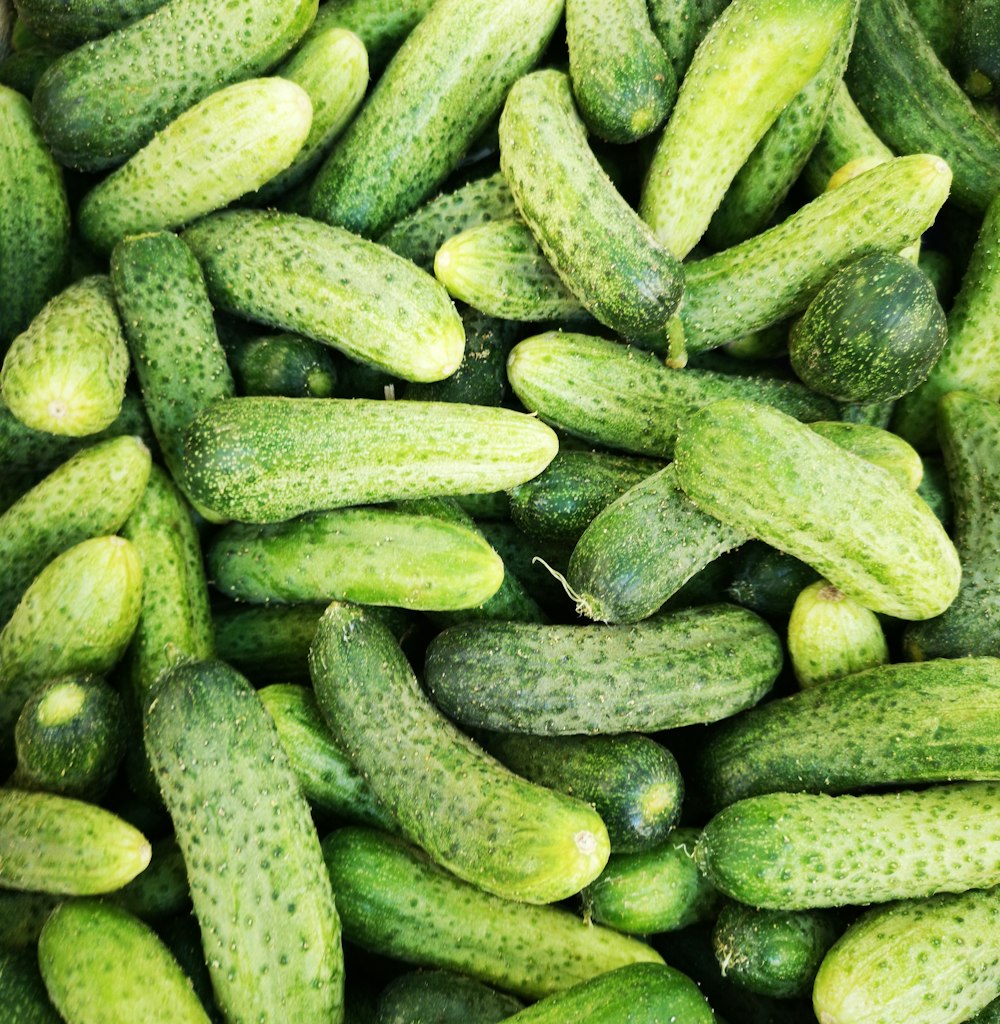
[[500, 511]]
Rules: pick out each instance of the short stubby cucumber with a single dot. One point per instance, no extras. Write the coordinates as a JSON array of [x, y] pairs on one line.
[[872, 538], [269, 459], [326, 283]]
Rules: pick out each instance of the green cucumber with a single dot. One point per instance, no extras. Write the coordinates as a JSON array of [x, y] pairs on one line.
[[500, 832], [226, 145], [34, 218], [446, 82], [767, 581], [875, 540], [54, 844], [66, 373], [595, 241], [930, 961], [935, 489], [69, 25], [773, 275], [695, 665], [81, 951], [326, 283], [22, 915], [268, 459], [23, 991], [22, 70], [444, 997], [753, 60], [164, 64], [262, 898], [938, 21], [382, 25], [394, 901], [282, 364], [901, 724], [680, 25], [161, 890], [877, 446], [266, 643], [977, 41]]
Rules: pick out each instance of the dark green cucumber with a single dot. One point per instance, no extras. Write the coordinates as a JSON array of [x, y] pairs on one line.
[[394, 901], [69, 25], [447, 80], [680, 26], [267, 643], [977, 43], [23, 991], [595, 241], [500, 832], [167, 62], [161, 890], [444, 997], [896, 724], [262, 898], [23, 69], [696, 665], [81, 952], [283, 364], [381, 26], [935, 489], [768, 581], [268, 459]]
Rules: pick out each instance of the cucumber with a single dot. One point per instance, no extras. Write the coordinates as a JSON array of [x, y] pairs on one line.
[[321, 281], [767, 581], [266, 643], [23, 991], [164, 64], [161, 891], [262, 898], [877, 446], [977, 41], [268, 459], [595, 241], [24, 914], [57, 845], [876, 541], [446, 82], [680, 25], [938, 21], [508, 836], [382, 25], [695, 665], [22, 70], [753, 60], [69, 25], [443, 997], [934, 489], [394, 901], [283, 364], [901, 963], [226, 145], [34, 218], [81, 951], [916, 729], [66, 373]]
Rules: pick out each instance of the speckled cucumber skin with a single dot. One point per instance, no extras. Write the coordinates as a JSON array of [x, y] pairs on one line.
[[977, 39], [66, 373], [269, 927], [396, 902], [508, 836], [623, 397], [930, 961], [696, 665], [382, 26], [880, 447], [680, 25], [594, 240], [368, 555], [327, 283], [445, 997], [67, 25], [34, 217], [226, 145], [446, 81], [753, 60], [927, 722], [267, 643], [161, 890], [53, 844], [875, 540], [91, 494], [22, 989], [283, 364], [773, 275], [269, 459], [167, 61], [82, 951]]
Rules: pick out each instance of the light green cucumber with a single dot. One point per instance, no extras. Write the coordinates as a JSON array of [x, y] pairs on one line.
[[268, 459], [872, 538], [270, 931], [230, 143], [22, 989], [103, 101], [81, 952], [508, 836], [66, 373], [382, 25], [57, 845], [446, 997], [326, 283], [753, 60], [880, 447]]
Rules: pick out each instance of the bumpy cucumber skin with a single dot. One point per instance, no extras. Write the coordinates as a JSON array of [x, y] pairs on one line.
[[927, 722], [34, 217], [68, 25], [977, 40], [168, 61], [396, 902], [267, 643], [161, 890], [880, 447], [773, 275], [680, 26], [268, 459], [930, 961], [54, 844], [480, 821], [445, 997], [695, 665], [326, 283], [381, 26], [595, 241], [228, 144], [22, 989], [872, 538], [262, 898], [283, 364], [82, 951]]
